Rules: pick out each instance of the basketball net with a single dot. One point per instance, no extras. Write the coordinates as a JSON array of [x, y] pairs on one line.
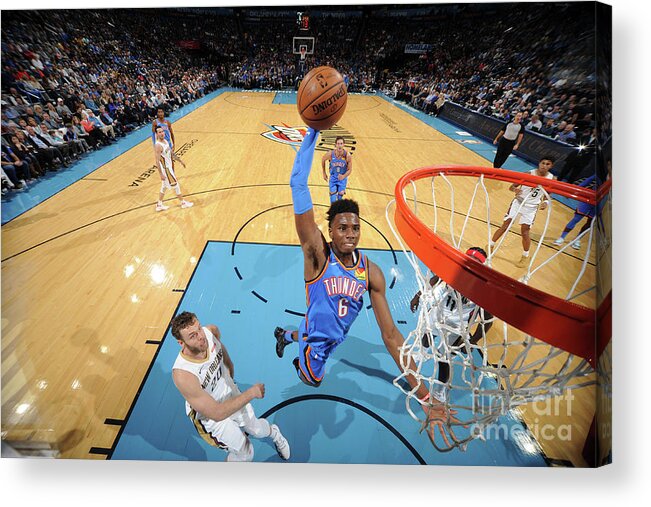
[[493, 365]]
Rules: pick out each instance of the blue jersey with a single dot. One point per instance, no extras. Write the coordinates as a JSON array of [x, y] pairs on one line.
[[166, 128], [338, 166], [334, 299]]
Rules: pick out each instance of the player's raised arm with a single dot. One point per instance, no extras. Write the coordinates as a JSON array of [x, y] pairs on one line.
[[309, 234]]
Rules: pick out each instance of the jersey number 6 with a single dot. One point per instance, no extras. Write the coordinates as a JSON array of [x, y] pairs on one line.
[[343, 307]]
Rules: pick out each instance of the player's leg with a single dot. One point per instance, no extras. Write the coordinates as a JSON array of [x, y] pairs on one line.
[[502, 229], [179, 196], [260, 428], [226, 435], [342, 188], [570, 225], [284, 337], [310, 364], [525, 229], [334, 192], [576, 244], [161, 194]]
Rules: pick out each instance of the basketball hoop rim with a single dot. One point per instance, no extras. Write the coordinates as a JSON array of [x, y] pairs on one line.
[[563, 324]]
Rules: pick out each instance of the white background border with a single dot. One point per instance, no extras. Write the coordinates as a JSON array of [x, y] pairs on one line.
[[92, 483]]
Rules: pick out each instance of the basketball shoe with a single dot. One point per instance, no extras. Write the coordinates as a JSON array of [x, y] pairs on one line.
[[161, 207], [282, 446]]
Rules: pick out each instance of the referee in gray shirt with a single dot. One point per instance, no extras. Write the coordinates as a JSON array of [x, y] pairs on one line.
[[509, 139]]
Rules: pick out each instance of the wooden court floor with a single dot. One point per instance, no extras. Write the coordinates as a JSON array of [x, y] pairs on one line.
[[93, 273]]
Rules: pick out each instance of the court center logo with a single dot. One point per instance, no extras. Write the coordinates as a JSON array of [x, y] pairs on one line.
[[286, 135], [293, 136]]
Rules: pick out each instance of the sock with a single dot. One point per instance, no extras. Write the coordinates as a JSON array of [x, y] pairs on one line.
[[525, 253], [288, 337], [274, 432]]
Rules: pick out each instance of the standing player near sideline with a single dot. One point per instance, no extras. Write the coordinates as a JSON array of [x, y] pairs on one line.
[[341, 165], [525, 205], [336, 277], [166, 125], [164, 157], [221, 414]]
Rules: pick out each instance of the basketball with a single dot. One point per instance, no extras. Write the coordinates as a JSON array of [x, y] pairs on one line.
[[322, 98]]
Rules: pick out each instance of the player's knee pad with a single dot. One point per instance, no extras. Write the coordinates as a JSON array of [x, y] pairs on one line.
[[163, 187], [177, 189], [259, 428]]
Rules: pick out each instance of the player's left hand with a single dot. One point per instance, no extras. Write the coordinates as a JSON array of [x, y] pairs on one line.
[[543, 205], [341, 177], [437, 419]]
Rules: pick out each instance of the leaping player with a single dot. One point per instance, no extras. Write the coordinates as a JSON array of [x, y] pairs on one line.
[[337, 275], [164, 157], [341, 165]]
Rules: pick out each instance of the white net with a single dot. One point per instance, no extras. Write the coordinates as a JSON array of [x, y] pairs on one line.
[[477, 366]]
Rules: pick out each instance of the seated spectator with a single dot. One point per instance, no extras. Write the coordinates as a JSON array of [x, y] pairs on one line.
[[92, 141], [70, 136], [16, 170], [53, 139], [47, 154], [106, 119], [96, 134], [567, 135], [106, 129], [534, 124], [24, 152]]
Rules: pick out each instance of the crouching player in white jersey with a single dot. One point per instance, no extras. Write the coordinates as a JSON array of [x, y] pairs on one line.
[[164, 155], [203, 373], [526, 204], [450, 315]]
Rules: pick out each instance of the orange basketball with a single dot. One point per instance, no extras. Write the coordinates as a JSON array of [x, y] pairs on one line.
[[322, 98]]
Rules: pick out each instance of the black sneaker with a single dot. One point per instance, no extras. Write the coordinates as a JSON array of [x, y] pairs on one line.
[[279, 333]]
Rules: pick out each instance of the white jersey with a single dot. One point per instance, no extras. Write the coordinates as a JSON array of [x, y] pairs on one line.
[[165, 160], [213, 375], [445, 316], [533, 196]]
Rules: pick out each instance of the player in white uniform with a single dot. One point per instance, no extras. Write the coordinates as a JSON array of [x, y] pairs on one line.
[[526, 204], [450, 314], [164, 156], [203, 373]]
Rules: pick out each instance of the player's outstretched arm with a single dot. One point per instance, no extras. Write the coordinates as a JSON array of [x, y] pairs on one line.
[[202, 402], [391, 337], [309, 234], [436, 414]]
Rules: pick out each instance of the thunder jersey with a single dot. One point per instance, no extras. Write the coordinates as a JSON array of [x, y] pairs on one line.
[[338, 166], [533, 196], [213, 375], [335, 298]]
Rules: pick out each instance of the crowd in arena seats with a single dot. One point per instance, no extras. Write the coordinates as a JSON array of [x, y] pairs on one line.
[[544, 71], [74, 81]]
